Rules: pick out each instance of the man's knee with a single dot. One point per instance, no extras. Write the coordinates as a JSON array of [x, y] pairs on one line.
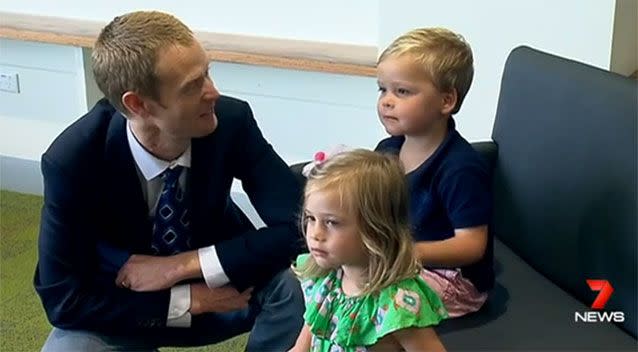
[[61, 340], [71, 340], [284, 289], [280, 315]]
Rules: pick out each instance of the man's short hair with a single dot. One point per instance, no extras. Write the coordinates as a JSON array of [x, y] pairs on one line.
[[125, 54]]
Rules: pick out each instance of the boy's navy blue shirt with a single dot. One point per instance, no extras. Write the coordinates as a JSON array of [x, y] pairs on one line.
[[450, 190]]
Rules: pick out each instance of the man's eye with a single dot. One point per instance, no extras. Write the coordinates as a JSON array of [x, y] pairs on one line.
[[190, 89]]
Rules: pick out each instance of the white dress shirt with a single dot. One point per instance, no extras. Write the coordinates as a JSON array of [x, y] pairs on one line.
[[149, 168]]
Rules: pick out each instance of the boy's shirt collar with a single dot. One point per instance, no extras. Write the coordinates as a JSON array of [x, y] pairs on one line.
[[395, 143]]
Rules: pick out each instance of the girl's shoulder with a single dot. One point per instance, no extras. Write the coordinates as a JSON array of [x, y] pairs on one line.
[[302, 259], [409, 303], [362, 321]]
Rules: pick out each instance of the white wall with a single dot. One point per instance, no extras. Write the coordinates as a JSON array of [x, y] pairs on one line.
[[298, 112], [352, 21], [302, 112], [52, 95], [576, 29]]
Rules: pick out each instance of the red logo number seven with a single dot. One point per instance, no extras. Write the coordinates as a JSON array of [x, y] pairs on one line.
[[605, 292]]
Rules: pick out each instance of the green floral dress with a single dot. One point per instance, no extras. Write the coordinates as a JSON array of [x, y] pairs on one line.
[[341, 323]]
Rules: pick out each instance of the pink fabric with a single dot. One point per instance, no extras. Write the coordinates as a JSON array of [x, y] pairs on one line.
[[458, 294]]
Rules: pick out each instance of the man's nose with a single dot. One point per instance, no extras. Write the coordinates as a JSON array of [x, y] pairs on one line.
[[210, 91]]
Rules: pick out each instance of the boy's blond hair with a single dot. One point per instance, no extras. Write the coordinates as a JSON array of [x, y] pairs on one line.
[[373, 186], [126, 52], [446, 58]]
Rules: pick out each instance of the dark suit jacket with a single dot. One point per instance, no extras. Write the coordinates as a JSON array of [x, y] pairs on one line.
[[93, 195]]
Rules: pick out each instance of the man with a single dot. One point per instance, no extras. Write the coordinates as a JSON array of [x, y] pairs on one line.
[[140, 243]]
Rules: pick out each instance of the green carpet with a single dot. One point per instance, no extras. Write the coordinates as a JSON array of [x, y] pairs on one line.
[[23, 324]]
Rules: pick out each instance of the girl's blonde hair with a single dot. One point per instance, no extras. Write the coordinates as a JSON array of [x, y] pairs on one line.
[[373, 186]]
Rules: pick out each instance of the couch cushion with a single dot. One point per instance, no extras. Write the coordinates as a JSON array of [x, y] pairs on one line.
[[526, 311]]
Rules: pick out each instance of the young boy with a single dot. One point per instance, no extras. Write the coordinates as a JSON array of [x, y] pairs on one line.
[[423, 77]]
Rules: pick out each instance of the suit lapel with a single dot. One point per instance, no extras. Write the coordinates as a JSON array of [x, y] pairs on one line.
[[210, 182], [200, 179], [124, 190]]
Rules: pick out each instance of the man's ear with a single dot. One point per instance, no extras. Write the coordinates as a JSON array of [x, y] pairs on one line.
[[449, 102], [135, 104]]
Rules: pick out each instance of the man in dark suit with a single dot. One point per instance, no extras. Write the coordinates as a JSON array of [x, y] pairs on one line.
[[140, 243]]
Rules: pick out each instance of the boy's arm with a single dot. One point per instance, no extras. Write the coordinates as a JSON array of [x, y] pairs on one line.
[[419, 339], [466, 247], [465, 194], [303, 341]]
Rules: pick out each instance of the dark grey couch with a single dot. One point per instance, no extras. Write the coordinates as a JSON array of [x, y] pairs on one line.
[[564, 184]]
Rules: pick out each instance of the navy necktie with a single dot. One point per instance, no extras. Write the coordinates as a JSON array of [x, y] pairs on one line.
[[171, 229]]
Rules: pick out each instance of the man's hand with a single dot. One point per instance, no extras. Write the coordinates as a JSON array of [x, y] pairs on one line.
[[151, 273], [217, 300]]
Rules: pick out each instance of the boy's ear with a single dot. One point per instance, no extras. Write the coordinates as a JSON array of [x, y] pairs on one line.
[[135, 104], [449, 102]]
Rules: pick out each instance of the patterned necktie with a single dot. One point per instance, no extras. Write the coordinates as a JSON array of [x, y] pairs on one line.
[[171, 229]]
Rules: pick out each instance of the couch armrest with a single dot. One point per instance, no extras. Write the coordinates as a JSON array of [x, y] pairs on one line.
[[488, 151], [296, 170]]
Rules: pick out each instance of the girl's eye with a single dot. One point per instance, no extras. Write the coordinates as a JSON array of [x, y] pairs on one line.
[[403, 91], [381, 89], [331, 223]]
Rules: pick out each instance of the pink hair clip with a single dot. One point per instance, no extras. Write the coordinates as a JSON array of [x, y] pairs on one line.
[[320, 157]]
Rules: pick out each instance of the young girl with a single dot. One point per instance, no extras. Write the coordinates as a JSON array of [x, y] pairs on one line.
[[360, 280]]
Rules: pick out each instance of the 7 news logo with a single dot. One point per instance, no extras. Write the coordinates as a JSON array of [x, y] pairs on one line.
[[605, 290]]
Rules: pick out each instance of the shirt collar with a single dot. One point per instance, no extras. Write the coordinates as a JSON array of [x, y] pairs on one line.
[[451, 135], [149, 165]]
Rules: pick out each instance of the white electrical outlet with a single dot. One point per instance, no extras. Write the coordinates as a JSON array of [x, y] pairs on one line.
[[9, 82]]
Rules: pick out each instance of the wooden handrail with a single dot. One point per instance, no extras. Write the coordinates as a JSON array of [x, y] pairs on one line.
[[283, 53]]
